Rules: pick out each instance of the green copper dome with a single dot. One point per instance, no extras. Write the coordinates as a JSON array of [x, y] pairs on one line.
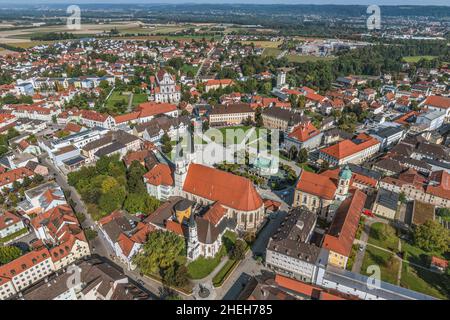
[[345, 173]]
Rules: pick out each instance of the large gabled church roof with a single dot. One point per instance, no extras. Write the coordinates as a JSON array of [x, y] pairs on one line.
[[230, 190]]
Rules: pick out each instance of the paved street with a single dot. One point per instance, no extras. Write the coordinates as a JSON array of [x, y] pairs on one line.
[[233, 285], [100, 245], [249, 266]]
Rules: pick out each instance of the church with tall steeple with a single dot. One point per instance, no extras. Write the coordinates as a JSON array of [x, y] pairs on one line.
[[343, 184], [323, 193]]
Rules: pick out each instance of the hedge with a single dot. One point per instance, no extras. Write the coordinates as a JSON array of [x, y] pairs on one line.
[[220, 277], [13, 235]]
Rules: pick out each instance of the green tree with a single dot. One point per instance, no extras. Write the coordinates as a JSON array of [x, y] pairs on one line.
[[258, 118], [161, 251], [90, 234], [112, 200], [238, 250], [175, 63], [432, 237], [302, 156], [134, 178], [444, 213], [9, 253], [176, 275], [3, 150], [104, 84], [166, 144], [301, 102], [108, 184], [292, 152], [140, 203], [402, 197]]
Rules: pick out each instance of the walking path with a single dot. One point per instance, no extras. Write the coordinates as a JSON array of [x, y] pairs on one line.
[[130, 102], [399, 276], [400, 259], [213, 273]]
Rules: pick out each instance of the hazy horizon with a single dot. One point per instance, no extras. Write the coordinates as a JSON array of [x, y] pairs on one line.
[[309, 2]]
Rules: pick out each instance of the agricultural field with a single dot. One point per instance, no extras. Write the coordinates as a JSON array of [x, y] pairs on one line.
[[414, 59], [304, 58], [271, 52], [263, 44], [24, 35]]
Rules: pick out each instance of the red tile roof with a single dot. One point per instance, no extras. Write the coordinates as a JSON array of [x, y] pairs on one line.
[[222, 82], [438, 102], [21, 264], [124, 118], [13, 175], [215, 213], [304, 132], [174, 227], [23, 144], [356, 178], [345, 148], [441, 190], [149, 109], [93, 115], [230, 190], [141, 233], [309, 290], [139, 156], [160, 174], [271, 204], [72, 127], [7, 218], [439, 262], [316, 184], [345, 223], [125, 244]]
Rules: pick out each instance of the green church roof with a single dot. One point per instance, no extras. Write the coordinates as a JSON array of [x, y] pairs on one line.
[[345, 173]]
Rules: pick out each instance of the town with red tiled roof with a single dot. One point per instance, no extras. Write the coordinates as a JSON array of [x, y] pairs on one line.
[[201, 152]]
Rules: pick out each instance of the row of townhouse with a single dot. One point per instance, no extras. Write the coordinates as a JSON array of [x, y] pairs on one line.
[[282, 119], [231, 114], [35, 112], [435, 190], [87, 82], [292, 254], [36, 265], [114, 142], [61, 241], [145, 112]]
